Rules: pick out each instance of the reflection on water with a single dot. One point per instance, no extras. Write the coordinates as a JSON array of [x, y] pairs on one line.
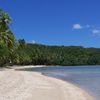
[[87, 77]]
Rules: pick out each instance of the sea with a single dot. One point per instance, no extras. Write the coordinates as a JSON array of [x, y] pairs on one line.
[[85, 77]]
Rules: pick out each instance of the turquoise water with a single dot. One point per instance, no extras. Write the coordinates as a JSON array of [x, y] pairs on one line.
[[86, 77]]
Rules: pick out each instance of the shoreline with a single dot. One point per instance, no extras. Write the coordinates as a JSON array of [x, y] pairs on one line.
[[25, 85]]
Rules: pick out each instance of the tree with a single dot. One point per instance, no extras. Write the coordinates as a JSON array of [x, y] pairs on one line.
[[21, 43], [7, 39], [4, 21]]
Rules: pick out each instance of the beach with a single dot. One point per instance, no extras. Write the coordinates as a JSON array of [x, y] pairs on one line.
[[25, 85]]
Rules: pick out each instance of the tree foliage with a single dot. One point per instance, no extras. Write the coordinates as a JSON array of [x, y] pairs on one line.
[[7, 39], [37, 54]]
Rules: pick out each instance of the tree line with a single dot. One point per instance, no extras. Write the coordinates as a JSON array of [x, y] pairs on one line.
[[19, 52]]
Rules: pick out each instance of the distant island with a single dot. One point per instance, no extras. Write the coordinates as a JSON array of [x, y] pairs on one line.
[[13, 52]]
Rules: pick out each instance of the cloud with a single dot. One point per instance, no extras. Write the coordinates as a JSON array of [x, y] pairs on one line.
[[77, 26], [33, 42], [96, 32]]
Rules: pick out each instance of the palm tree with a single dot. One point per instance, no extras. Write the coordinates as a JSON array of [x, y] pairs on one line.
[[7, 38], [4, 21], [22, 43]]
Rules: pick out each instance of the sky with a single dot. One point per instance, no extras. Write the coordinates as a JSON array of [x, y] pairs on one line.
[[55, 22]]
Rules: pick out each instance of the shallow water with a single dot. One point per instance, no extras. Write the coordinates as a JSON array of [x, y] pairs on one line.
[[86, 77]]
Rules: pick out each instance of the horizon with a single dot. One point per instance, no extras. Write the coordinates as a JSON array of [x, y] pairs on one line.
[[55, 22], [62, 45]]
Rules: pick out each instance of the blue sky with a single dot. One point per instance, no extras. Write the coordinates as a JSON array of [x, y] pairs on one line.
[[55, 22]]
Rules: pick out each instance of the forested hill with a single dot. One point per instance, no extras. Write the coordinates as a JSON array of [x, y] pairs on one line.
[[20, 53], [57, 55]]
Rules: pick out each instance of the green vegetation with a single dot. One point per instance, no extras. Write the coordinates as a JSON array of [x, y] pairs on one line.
[[58, 55], [22, 53], [7, 39]]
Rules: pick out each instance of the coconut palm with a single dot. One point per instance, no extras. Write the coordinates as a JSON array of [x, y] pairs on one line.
[[21, 43], [7, 39], [6, 36]]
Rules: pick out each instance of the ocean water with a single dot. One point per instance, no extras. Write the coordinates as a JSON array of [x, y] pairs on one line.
[[85, 77]]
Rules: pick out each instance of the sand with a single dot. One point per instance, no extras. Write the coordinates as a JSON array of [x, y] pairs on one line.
[[24, 85]]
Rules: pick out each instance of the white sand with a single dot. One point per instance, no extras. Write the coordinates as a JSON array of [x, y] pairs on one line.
[[22, 85]]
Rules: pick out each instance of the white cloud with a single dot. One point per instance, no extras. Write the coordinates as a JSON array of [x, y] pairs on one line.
[[96, 32], [33, 42], [77, 26]]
